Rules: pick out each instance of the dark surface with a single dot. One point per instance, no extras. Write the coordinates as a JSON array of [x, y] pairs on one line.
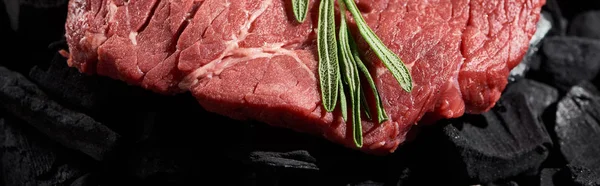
[[508, 141], [538, 95], [171, 140], [585, 25], [578, 131], [29, 158], [570, 60], [72, 129]]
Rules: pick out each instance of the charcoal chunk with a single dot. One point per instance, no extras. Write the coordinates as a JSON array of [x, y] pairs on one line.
[[578, 131], [570, 60], [539, 95], [67, 84], [505, 142], [70, 128], [295, 159], [584, 175], [586, 25], [29, 158]]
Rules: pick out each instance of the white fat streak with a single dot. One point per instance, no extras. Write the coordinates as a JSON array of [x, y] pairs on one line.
[[112, 11], [133, 37], [237, 54]]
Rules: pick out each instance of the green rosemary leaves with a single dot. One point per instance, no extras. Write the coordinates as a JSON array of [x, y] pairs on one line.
[[340, 65]]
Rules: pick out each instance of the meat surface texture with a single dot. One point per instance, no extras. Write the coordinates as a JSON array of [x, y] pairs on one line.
[[250, 59]]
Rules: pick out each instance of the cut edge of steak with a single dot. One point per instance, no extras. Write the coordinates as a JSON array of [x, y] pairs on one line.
[[248, 60]]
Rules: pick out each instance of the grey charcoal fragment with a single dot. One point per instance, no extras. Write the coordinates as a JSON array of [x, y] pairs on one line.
[[505, 142], [578, 131], [586, 25], [300, 159], [539, 95], [28, 158], [583, 175], [570, 60], [72, 129]]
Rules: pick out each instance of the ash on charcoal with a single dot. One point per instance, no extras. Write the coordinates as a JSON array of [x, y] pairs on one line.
[[569, 60], [578, 131], [28, 158], [586, 25], [507, 142], [70, 128]]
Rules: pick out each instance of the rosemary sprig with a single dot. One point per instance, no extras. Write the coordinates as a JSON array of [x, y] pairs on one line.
[[389, 59], [351, 77], [329, 71], [300, 9], [343, 57]]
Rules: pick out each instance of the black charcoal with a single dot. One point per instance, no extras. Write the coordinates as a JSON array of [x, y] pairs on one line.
[[578, 131], [586, 25], [505, 142], [295, 159], [539, 95], [569, 60], [28, 158], [68, 84], [70, 128], [584, 175]]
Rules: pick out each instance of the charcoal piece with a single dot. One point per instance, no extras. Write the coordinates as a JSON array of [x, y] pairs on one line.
[[584, 175], [586, 25], [578, 131], [70, 128], [570, 60], [505, 142], [29, 158], [539, 95], [67, 84], [295, 159]]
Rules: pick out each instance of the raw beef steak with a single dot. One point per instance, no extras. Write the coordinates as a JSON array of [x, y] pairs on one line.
[[250, 59]]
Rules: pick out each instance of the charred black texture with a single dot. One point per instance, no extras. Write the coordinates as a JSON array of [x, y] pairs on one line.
[[578, 130], [70, 128]]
